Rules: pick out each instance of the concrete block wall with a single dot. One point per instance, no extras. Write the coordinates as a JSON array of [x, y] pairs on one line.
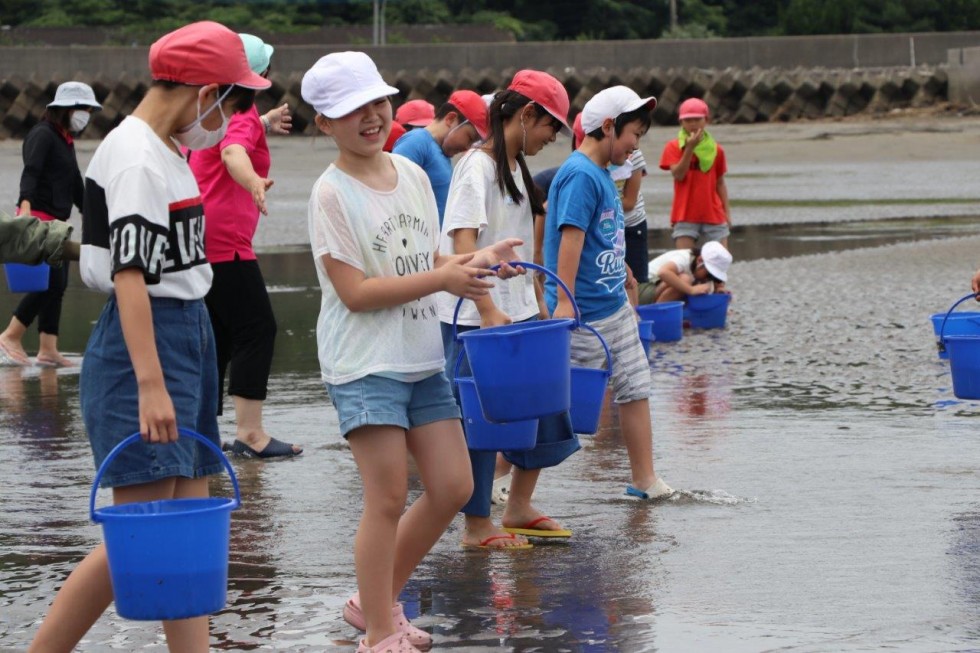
[[734, 95]]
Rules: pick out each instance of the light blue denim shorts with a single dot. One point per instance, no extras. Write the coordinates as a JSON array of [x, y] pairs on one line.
[[700, 232], [110, 398], [377, 400]]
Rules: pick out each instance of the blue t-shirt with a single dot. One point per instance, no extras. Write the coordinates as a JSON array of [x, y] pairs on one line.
[[421, 148], [583, 195]]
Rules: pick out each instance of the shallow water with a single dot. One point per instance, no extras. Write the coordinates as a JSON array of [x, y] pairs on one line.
[[828, 487]]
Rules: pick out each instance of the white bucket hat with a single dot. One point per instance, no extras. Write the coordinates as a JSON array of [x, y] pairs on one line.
[[75, 94], [716, 259], [341, 82]]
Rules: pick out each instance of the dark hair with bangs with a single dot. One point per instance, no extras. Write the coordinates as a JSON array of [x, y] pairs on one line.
[[641, 115], [505, 106]]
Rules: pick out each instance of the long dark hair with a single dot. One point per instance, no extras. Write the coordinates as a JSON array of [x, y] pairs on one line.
[[505, 106], [60, 116]]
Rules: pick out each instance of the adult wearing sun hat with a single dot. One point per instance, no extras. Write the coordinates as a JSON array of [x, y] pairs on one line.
[[50, 185], [234, 177], [150, 364], [459, 123]]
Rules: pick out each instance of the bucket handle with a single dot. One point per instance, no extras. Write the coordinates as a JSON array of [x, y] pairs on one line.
[[941, 342], [135, 437], [529, 266], [602, 341]]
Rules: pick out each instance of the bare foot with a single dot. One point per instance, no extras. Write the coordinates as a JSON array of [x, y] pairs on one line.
[[481, 532], [14, 351], [529, 518], [52, 360]]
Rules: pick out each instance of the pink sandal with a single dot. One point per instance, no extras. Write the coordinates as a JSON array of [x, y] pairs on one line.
[[397, 643], [416, 637]]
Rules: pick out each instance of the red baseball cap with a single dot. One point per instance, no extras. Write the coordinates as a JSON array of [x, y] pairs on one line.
[[203, 53], [546, 91], [397, 131], [693, 108], [578, 131], [417, 113], [474, 109]]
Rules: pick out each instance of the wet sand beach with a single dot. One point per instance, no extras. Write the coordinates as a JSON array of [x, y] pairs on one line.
[[828, 487]]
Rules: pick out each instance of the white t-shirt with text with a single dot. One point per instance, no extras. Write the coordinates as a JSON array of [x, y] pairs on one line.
[[475, 202], [382, 234], [143, 210]]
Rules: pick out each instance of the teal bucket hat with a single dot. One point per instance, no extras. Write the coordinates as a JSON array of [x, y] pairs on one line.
[[259, 53]]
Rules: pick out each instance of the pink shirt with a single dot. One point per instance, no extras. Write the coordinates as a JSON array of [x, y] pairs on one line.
[[230, 214]]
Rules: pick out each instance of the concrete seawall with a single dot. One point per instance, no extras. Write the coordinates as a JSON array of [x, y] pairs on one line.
[[737, 96], [743, 80]]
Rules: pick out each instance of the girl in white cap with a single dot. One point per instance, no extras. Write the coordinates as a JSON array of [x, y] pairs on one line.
[[374, 229], [49, 186], [149, 363]]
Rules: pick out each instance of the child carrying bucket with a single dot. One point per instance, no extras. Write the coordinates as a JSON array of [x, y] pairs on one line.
[[585, 247], [374, 233], [487, 202], [149, 364]]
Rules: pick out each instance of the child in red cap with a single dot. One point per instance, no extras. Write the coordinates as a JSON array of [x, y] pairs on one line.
[[458, 125], [700, 212], [150, 362]]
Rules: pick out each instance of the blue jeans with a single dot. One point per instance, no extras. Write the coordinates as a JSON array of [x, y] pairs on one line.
[[555, 442], [110, 396]]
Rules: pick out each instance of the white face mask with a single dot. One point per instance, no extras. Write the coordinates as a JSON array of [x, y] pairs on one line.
[[79, 120], [195, 137]]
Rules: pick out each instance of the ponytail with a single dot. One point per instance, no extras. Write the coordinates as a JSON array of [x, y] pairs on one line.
[[506, 106]]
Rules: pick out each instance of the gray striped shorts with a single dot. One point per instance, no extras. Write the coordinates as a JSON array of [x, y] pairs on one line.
[[631, 379]]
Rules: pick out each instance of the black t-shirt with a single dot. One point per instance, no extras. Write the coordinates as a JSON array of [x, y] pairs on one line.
[[51, 181]]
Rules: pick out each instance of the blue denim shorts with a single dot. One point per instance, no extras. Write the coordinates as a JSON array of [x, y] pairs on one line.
[[376, 400], [110, 398]]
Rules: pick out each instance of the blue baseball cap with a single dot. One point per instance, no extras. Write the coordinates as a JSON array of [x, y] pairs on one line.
[[259, 53]]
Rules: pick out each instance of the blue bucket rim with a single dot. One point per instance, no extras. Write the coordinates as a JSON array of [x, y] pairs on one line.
[[941, 339], [118, 511], [504, 330], [714, 300], [96, 515], [661, 305]]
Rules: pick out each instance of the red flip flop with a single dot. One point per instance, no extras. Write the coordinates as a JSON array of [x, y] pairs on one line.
[[529, 529], [485, 544]]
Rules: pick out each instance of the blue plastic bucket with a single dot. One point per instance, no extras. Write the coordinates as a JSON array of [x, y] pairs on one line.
[[482, 435], [646, 334], [588, 392], [521, 371], [27, 278], [964, 365], [668, 320], [966, 323], [167, 559], [708, 311]]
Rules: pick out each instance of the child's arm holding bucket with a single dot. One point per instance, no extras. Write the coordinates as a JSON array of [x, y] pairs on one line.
[[569, 255], [464, 242], [158, 420]]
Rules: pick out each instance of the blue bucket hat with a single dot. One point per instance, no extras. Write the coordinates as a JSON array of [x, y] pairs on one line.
[[259, 53]]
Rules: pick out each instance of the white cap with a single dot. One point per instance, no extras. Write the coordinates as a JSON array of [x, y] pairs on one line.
[[341, 82], [610, 103], [488, 98], [75, 94], [716, 259]]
